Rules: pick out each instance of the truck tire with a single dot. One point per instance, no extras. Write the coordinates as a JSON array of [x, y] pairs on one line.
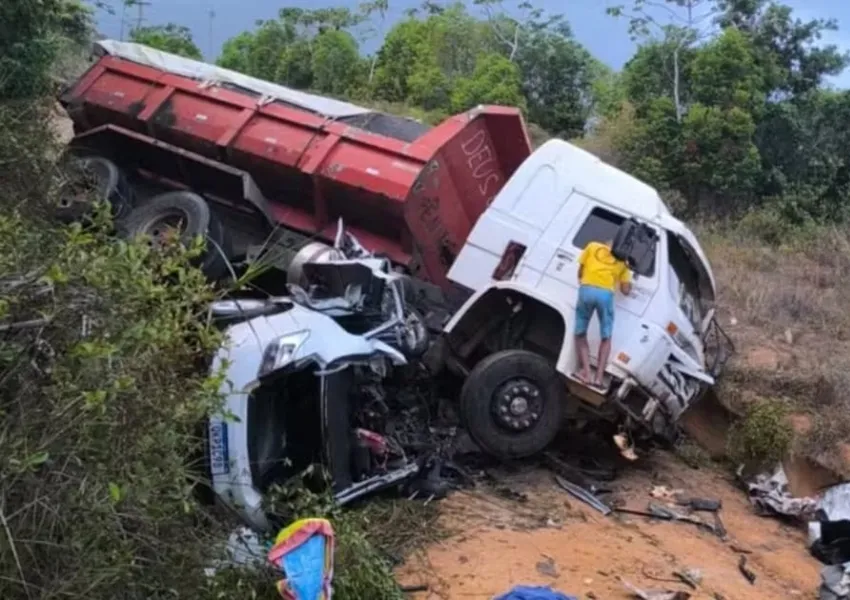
[[192, 215], [512, 404], [110, 185]]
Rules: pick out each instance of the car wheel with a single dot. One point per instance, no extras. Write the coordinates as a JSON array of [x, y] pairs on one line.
[[512, 404], [188, 215]]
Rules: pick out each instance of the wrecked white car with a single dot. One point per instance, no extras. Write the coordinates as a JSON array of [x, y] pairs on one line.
[[304, 384]]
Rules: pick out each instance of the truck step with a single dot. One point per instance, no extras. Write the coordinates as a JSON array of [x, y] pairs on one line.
[[590, 394]]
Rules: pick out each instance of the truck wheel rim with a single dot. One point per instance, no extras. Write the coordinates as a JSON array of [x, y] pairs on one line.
[[164, 227], [517, 405]]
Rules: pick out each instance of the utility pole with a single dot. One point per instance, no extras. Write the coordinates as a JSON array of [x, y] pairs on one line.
[[210, 36], [125, 4], [140, 15]]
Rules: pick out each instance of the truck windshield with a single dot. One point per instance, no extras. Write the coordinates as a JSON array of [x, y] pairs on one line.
[[686, 281]]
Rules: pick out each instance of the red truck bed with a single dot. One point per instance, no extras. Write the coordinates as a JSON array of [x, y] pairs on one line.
[[409, 191]]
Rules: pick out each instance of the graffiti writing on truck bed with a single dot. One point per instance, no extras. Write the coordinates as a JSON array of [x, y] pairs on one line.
[[429, 216], [482, 163]]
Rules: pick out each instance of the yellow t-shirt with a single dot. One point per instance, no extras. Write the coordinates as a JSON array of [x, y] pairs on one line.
[[600, 268]]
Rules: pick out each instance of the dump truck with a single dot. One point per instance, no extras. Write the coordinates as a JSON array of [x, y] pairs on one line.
[[485, 230]]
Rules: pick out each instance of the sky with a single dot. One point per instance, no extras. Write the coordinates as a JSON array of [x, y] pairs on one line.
[[604, 36]]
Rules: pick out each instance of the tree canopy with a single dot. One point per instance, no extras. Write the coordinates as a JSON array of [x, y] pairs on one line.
[[724, 103], [172, 38]]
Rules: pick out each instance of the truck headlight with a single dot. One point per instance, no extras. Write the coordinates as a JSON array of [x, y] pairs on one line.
[[280, 352]]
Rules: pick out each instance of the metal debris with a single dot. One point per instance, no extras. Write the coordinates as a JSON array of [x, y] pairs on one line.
[[582, 494], [690, 577], [701, 504], [770, 495], [656, 594], [746, 571], [835, 582]]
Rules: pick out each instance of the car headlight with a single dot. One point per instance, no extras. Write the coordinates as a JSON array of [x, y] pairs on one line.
[[280, 352]]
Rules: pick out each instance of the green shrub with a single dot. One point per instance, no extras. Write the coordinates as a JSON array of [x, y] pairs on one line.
[[763, 434], [101, 400]]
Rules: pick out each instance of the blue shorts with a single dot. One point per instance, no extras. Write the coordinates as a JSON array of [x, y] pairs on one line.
[[593, 299]]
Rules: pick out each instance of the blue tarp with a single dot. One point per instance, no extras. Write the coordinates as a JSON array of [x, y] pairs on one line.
[[522, 592]]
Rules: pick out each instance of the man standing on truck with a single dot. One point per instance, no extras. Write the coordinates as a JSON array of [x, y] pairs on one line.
[[599, 275]]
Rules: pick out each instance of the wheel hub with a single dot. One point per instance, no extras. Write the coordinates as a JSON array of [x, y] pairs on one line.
[[165, 228], [517, 405]]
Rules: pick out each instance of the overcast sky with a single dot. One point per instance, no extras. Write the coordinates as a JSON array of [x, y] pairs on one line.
[[604, 36]]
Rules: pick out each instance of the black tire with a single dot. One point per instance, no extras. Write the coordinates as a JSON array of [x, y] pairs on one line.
[[483, 393], [110, 185], [196, 219]]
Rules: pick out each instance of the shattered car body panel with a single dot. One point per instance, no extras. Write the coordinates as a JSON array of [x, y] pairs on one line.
[[255, 349], [302, 375]]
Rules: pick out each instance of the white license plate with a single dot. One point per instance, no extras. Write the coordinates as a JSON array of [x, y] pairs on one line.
[[219, 456]]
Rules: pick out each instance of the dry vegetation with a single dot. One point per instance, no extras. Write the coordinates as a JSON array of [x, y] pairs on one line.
[[784, 306]]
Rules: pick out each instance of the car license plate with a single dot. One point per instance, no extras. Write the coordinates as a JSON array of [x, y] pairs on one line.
[[219, 456]]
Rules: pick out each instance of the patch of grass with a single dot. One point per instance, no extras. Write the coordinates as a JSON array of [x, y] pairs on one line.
[[763, 434], [368, 539], [401, 527]]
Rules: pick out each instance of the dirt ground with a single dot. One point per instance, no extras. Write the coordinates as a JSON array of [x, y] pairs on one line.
[[549, 538]]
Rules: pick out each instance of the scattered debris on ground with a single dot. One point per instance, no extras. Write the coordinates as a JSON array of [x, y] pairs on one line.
[[495, 541]]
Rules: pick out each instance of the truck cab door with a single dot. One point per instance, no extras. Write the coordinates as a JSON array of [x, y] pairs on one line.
[[596, 221]]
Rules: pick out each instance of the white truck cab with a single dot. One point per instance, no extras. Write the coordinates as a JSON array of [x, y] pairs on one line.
[[520, 265]]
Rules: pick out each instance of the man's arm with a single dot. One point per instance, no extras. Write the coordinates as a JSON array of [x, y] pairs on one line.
[[626, 281], [582, 259]]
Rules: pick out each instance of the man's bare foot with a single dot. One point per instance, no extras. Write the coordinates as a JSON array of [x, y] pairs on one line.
[[583, 376]]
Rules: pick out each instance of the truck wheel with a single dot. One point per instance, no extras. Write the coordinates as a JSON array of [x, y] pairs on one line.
[[512, 403], [189, 215], [108, 181]]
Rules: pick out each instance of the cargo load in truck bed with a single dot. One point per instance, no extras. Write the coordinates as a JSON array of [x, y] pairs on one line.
[[302, 161]]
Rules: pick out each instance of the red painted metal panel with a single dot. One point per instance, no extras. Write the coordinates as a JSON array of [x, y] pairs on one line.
[[404, 198]]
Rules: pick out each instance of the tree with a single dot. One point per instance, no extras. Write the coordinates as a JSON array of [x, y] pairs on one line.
[[336, 62], [787, 48], [496, 80], [557, 72], [421, 59], [679, 30], [379, 7], [720, 162], [725, 73], [31, 36], [557, 80], [176, 39], [657, 71]]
